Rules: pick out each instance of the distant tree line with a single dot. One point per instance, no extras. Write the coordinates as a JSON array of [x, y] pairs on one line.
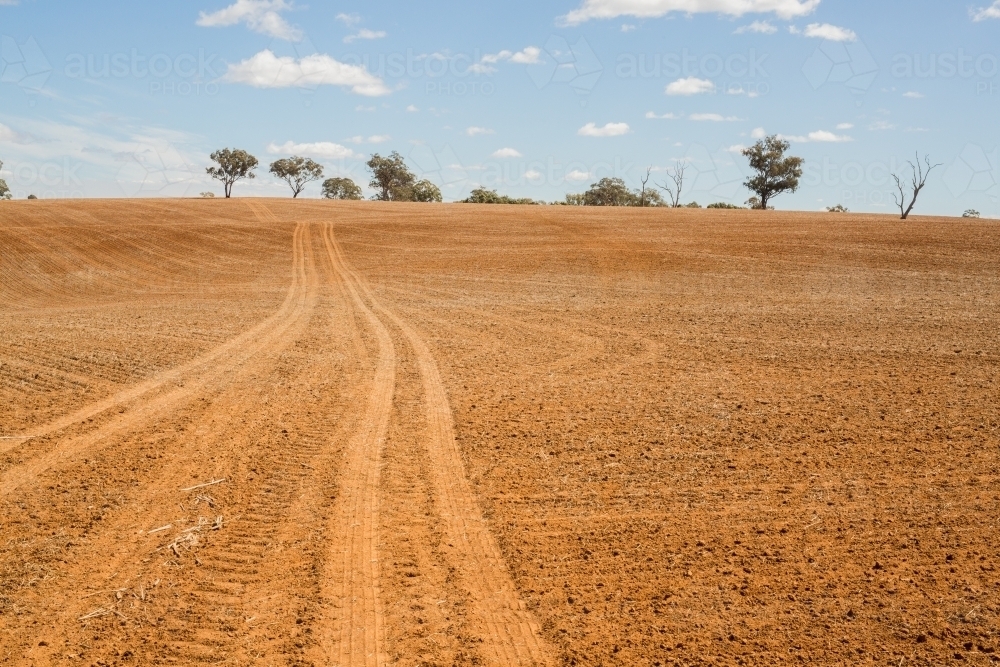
[[774, 173], [391, 178]]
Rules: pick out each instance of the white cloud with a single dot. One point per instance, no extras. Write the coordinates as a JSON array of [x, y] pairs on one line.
[[321, 149], [609, 130], [9, 135], [412, 108], [881, 125], [820, 137], [758, 133], [528, 56], [349, 19], [690, 86], [991, 12], [266, 70], [259, 15], [713, 118], [533, 174], [577, 175], [913, 95], [736, 148], [365, 33], [374, 139], [609, 9], [759, 27], [627, 27], [830, 32], [845, 126], [667, 116], [477, 131], [507, 152]]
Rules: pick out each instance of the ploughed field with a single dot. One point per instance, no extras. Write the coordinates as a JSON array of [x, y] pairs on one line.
[[292, 432]]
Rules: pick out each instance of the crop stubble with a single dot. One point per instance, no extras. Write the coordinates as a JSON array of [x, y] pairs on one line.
[[492, 435]]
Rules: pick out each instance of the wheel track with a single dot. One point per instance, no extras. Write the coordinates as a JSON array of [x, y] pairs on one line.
[[236, 563], [191, 378], [354, 634], [510, 636]]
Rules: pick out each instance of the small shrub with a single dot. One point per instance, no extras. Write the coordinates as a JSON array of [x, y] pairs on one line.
[[839, 208], [32, 197], [971, 213], [208, 195], [724, 205]]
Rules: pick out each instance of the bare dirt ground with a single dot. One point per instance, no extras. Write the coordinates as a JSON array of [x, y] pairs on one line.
[[275, 432]]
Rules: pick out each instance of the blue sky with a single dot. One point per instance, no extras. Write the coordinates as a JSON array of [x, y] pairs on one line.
[[113, 99]]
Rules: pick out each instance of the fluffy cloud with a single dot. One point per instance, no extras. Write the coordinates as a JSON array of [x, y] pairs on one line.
[[819, 137], [667, 116], [609, 130], [266, 70], [322, 149], [507, 152], [845, 126], [991, 12], [365, 33], [577, 175], [259, 15], [692, 85], [831, 33], [759, 27], [758, 133], [609, 9], [530, 55]]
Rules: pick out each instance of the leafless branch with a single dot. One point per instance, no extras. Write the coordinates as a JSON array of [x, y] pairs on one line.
[[917, 182], [676, 175], [642, 201]]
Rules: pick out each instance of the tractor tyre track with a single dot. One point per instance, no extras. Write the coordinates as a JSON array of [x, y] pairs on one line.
[[509, 634]]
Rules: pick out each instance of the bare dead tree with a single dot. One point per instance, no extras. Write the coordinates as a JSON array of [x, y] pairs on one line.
[[919, 180], [676, 176], [642, 198]]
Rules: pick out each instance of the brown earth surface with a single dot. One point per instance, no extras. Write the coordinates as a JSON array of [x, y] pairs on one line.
[[291, 432]]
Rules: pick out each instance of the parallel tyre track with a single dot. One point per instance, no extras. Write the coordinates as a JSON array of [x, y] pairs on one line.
[[188, 379], [509, 634], [354, 634]]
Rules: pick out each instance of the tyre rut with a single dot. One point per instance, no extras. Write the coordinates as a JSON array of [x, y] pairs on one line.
[[190, 378], [509, 634]]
